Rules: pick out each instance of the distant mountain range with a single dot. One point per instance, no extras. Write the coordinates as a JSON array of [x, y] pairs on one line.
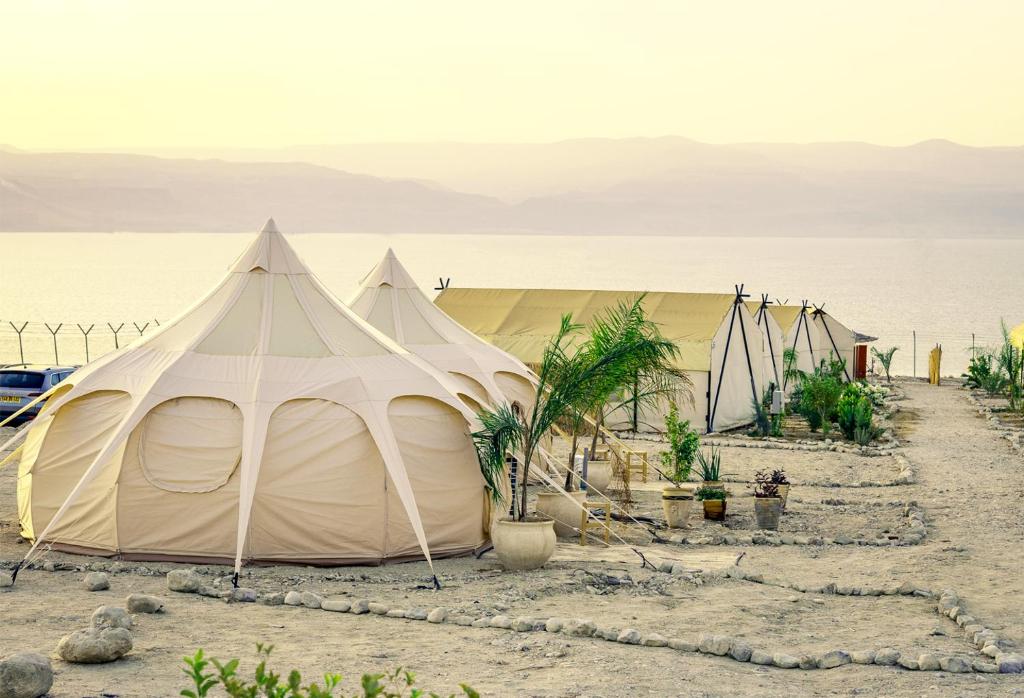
[[665, 185]]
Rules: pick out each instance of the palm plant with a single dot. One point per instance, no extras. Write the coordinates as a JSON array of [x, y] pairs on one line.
[[885, 358], [1010, 360]]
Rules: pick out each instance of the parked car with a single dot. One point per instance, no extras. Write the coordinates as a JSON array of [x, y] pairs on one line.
[[22, 383]]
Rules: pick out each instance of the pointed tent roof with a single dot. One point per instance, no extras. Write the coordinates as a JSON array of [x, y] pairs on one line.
[[390, 300], [268, 333]]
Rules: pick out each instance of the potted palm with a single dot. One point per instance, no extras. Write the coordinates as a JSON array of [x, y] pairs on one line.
[[767, 502], [683, 445], [713, 499], [709, 467]]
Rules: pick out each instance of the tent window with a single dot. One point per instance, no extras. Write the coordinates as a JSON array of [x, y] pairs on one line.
[[191, 444]]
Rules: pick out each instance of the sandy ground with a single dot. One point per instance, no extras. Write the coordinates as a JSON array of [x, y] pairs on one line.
[[969, 484]]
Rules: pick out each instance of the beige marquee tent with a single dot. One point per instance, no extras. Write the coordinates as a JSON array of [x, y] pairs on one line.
[[391, 301], [268, 423], [721, 347]]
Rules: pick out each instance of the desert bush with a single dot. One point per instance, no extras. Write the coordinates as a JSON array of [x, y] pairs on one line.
[[820, 395], [683, 445], [267, 683], [885, 358]]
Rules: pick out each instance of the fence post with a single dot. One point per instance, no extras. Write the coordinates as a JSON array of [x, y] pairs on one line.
[[54, 332], [119, 327], [21, 347], [85, 333]]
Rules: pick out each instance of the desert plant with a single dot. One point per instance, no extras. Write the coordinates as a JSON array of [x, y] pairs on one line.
[[763, 485], [821, 392], [790, 373], [705, 492], [885, 358], [683, 445], [979, 370], [778, 477], [709, 464], [268, 683], [1010, 361], [762, 416]]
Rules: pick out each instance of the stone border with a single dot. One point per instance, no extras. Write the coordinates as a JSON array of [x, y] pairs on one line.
[[706, 644], [906, 476], [1014, 436], [781, 444], [911, 511]]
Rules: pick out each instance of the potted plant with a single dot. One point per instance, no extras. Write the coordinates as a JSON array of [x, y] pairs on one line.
[[683, 445], [767, 502], [780, 480], [709, 467], [713, 499]]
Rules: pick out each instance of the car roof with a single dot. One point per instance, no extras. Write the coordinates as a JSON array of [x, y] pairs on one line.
[[39, 368]]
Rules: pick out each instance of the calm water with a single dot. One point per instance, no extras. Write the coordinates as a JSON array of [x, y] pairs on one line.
[[943, 289]]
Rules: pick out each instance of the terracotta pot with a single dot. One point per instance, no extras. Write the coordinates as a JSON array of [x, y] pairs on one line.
[[768, 510], [677, 503], [599, 476], [566, 515], [523, 545], [714, 509], [784, 494]]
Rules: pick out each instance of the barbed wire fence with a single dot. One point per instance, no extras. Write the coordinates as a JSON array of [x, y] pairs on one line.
[[66, 343]]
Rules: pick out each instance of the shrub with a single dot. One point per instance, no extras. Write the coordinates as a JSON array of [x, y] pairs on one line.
[[763, 485], [821, 393], [397, 684], [683, 445], [706, 492], [885, 358], [709, 464]]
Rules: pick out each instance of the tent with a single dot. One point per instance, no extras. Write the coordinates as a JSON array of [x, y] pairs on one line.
[[390, 300], [836, 339], [720, 345], [800, 334], [268, 423], [774, 340]]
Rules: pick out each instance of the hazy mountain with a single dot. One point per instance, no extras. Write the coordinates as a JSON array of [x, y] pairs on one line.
[[624, 186]]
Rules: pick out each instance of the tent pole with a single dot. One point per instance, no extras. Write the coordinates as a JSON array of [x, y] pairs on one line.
[[725, 357], [824, 321], [746, 350]]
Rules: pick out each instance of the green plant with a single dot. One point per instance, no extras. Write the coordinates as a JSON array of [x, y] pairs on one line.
[[269, 684], [683, 445], [821, 392], [709, 464], [979, 370], [762, 416], [885, 358], [1010, 360], [764, 485], [790, 373], [704, 493], [778, 477]]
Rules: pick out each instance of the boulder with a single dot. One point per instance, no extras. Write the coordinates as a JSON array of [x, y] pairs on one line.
[[761, 658], [438, 615], [184, 581], [928, 662], [274, 599], [522, 624], [111, 617], [1010, 663], [833, 659], [714, 644], [144, 603], [908, 663], [501, 622], [25, 675], [360, 606], [337, 604], [629, 636], [378, 609], [682, 645], [741, 651], [293, 598], [395, 613], [416, 614], [785, 661], [955, 665], [95, 645], [243, 595], [887, 656], [577, 627], [655, 640], [863, 657], [554, 625], [310, 600], [97, 581]]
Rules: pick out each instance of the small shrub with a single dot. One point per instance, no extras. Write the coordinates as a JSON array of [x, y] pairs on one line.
[[706, 492], [885, 358], [709, 464], [778, 477], [763, 485], [821, 393], [683, 445]]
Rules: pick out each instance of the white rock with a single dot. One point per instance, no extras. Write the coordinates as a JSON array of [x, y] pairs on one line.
[[111, 617], [293, 598], [311, 600], [25, 675], [336, 604], [95, 646], [437, 615], [144, 603], [184, 581]]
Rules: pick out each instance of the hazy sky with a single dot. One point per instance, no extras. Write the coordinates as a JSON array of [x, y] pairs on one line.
[[123, 73]]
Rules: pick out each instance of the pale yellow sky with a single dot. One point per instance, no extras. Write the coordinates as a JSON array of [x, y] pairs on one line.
[[155, 73]]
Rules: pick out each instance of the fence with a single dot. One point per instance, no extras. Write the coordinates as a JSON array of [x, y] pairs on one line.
[[66, 343]]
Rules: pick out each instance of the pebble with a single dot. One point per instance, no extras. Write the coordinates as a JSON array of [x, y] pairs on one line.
[[887, 656], [293, 598], [95, 645], [144, 603], [833, 659], [785, 661], [954, 665], [378, 609], [25, 675], [97, 581], [628, 636], [336, 604], [438, 615], [111, 617], [184, 581]]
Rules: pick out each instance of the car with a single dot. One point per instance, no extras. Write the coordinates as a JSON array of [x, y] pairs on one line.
[[22, 383]]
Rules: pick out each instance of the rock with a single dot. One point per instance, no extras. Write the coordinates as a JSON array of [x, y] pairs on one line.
[[95, 645], [984, 667], [482, 623], [378, 609], [863, 657], [666, 566], [438, 615], [184, 581], [655, 640], [97, 581], [577, 627], [908, 663], [111, 617], [1010, 663], [144, 603], [274, 599], [25, 675], [243, 595], [209, 591], [785, 661], [761, 658], [992, 651], [462, 620], [906, 588], [714, 644], [808, 661], [360, 606], [741, 651], [928, 662], [311, 600], [682, 645], [416, 614], [954, 665], [554, 625], [628, 636], [523, 624], [293, 598], [887, 656], [395, 613], [610, 634], [336, 604], [833, 658]]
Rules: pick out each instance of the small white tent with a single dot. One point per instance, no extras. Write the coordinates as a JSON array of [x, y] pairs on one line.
[[391, 301], [774, 340], [837, 340], [267, 423], [801, 335]]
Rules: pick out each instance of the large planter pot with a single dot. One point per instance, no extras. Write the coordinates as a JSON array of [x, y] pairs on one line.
[[523, 545], [768, 510], [566, 515], [677, 503], [599, 476], [714, 509], [783, 494]]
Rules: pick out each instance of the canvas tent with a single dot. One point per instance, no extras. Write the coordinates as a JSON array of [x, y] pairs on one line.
[[391, 301], [720, 344], [774, 340], [836, 339], [267, 423], [800, 334]]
